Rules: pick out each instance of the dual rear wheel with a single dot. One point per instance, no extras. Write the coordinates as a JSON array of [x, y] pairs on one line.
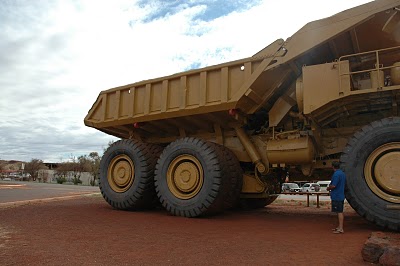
[[191, 177]]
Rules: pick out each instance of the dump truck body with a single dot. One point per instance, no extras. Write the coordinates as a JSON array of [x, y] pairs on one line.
[[248, 84], [327, 93]]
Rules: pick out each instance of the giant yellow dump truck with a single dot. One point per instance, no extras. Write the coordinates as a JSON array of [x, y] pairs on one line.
[[201, 141]]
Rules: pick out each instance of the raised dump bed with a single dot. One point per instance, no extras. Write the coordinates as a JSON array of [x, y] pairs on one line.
[[172, 99]]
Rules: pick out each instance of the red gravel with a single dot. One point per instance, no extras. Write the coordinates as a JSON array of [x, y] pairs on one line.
[[87, 231]]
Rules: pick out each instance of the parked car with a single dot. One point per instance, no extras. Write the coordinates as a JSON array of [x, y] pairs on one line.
[[323, 185], [290, 187], [310, 187]]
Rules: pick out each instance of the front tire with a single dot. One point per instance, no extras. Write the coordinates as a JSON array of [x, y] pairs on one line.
[[371, 161]]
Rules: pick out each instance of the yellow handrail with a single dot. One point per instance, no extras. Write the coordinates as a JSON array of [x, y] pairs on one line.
[[378, 67]]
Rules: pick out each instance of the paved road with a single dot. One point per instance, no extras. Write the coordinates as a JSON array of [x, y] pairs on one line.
[[15, 192], [19, 192]]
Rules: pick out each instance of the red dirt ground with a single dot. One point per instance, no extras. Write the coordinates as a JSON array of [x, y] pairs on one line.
[[87, 231]]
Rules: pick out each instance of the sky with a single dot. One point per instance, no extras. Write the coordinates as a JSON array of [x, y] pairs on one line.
[[57, 55]]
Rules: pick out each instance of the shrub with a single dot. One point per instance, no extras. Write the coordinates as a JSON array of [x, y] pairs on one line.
[[77, 180], [61, 179]]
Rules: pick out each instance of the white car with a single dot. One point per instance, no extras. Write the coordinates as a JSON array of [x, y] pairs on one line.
[[310, 187], [323, 185]]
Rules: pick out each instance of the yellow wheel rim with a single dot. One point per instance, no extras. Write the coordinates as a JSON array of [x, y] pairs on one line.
[[382, 172], [121, 173], [185, 177]]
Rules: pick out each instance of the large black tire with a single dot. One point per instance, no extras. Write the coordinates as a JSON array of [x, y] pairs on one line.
[[127, 175], [235, 178], [155, 152], [374, 149], [189, 178]]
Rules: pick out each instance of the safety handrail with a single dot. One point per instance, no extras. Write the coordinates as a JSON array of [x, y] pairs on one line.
[[378, 66]]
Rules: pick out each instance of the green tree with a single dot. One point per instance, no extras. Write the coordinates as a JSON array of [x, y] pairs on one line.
[[61, 172], [2, 167], [78, 166], [94, 166], [74, 169], [33, 168]]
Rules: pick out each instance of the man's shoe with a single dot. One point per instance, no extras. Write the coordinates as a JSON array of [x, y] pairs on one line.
[[338, 231]]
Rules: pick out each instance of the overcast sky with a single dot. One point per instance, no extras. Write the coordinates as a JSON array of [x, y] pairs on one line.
[[57, 55]]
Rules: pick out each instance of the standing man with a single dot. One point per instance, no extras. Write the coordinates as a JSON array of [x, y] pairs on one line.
[[336, 188]]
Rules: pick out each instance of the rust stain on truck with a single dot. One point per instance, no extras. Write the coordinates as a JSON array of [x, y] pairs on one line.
[[202, 140]]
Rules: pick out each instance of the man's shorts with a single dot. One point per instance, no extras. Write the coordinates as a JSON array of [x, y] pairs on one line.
[[337, 206]]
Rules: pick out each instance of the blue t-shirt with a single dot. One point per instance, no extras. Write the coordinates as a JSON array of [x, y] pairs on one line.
[[339, 181]]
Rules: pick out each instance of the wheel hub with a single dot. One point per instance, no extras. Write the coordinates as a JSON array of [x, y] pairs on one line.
[[382, 170], [185, 177], [120, 174], [387, 169]]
